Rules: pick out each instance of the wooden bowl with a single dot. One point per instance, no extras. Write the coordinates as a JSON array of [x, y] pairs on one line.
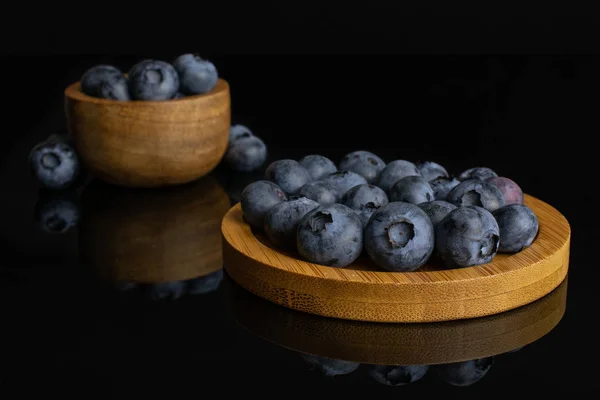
[[364, 292], [149, 143]]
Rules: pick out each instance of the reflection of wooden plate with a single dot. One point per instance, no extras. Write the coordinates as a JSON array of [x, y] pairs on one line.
[[363, 292], [396, 344]]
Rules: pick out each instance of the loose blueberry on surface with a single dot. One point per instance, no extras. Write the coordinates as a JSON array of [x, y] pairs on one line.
[[239, 131], [464, 373], [330, 367], [365, 200], [57, 212], [436, 210], [205, 284], [364, 163], [393, 171], [518, 226], [476, 192], [482, 173], [467, 236], [257, 199], [430, 170], [330, 235], [288, 174], [106, 82], [324, 193], [197, 76], [442, 186], [344, 180], [54, 163], [246, 154], [510, 190], [318, 166], [281, 221], [399, 237], [393, 375], [166, 290], [153, 80], [411, 189]]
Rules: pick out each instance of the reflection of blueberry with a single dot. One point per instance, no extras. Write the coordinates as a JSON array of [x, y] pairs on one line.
[[281, 221], [153, 80], [54, 163], [257, 199], [476, 192], [205, 284], [324, 193], [197, 76], [166, 290], [317, 166], [477, 173], [411, 189], [518, 226], [464, 373], [393, 171], [57, 212], [106, 82], [329, 366], [288, 174], [365, 200], [363, 163], [246, 154], [392, 375], [345, 180], [436, 210], [430, 170], [442, 186]]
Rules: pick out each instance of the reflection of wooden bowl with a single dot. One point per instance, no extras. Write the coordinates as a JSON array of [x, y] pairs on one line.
[[152, 235], [396, 344]]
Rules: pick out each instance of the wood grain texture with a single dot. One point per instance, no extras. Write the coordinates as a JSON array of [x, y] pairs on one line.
[[396, 344], [364, 292], [150, 143]]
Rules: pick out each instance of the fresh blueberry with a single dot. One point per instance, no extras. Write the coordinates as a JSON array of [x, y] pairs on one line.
[[205, 284], [330, 235], [345, 180], [289, 175], [324, 193], [399, 237], [364, 163], [179, 95], [394, 375], [436, 210], [245, 153], [510, 190], [257, 199], [234, 184], [365, 200], [281, 221], [329, 366], [482, 173], [518, 226], [318, 166], [464, 373], [106, 82], [411, 189], [476, 192], [467, 236], [57, 212], [430, 170], [197, 75], [54, 163], [239, 131], [442, 186], [153, 80], [393, 171], [166, 290]]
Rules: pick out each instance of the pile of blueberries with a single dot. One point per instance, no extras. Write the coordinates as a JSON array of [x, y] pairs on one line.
[[400, 213], [153, 80]]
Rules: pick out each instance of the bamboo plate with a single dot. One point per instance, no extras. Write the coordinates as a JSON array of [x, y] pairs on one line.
[[364, 292]]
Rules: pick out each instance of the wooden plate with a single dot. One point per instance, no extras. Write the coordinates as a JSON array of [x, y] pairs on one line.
[[364, 292]]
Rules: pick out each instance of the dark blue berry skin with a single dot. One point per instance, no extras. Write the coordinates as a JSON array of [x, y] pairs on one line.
[[482, 173], [257, 199], [54, 163], [365, 200], [281, 221], [411, 189], [239, 131], [105, 82], [324, 193], [430, 170], [179, 95], [393, 171], [476, 192], [245, 151], [204, 284], [153, 80], [464, 373], [394, 375], [364, 163], [467, 236], [442, 186], [399, 237], [331, 236], [318, 166], [166, 290], [288, 174], [518, 226], [330, 367], [345, 180], [436, 210], [57, 212], [197, 76]]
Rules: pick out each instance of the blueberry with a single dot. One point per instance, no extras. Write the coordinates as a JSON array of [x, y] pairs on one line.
[[430, 170], [153, 80], [442, 186], [54, 163], [476, 192], [365, 200], [257, 199], [411, 189], [393, 171], [57, 212], [510, 190], [364, 163], [399, 237], [518, 227], [289, 175], [329, 366], [197, 75], [467, 236], [345, 180], [477, 173], [246, 154], [166, 290], [330, 235], [318, 166], [281, 221], [239, 131], [106, 82], [464, 373], [234, 184], [436, 210], [324, 193], [393, 375], [179, 95], [205, 284]]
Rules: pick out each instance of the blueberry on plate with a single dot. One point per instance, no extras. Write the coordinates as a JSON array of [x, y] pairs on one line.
[[364, 163], [281, 221], [205, 284], [476, 192], [106, 82], [436, 210], [197, 76], [510, 190], [330, 367], [245, 151], [393, 171], [442, 186], [324, 193], [411, 189], [430, 170], [288, 174], [518, 226], [317, 166], [464, 373], [365, 200], [344, 180], [398, 375], [153, 80], [482, 173], [54, 163], [257, 199], [57, 212]]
